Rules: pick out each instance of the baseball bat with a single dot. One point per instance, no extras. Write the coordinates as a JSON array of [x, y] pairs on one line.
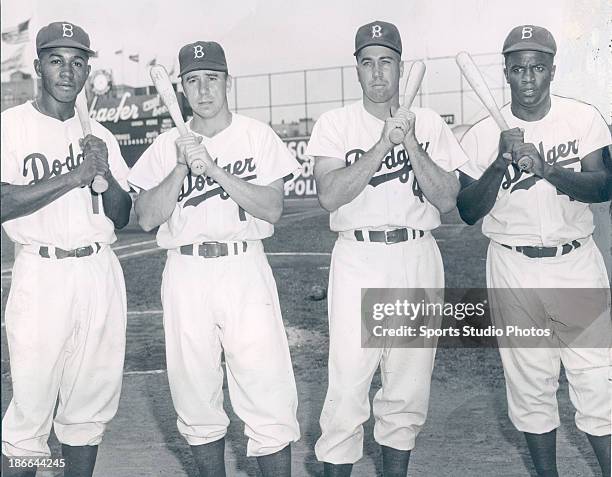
[[162, 83], [474, 77], [99, 184], [413, 82]]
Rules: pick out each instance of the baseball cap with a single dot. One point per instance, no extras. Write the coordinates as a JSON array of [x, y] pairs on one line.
[[202, 55], [378, 33], [529, 37], [62, 34]]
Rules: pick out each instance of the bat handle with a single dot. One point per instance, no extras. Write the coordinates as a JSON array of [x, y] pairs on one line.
[[396, 136], [525, 163], [197, 167], [99, 185]]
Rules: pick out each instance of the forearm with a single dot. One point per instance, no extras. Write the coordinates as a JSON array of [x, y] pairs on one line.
[[154, 207], [340, 186], [263, 202], [587, 186], [19, 201], [117, 203], [477, 199], [439, 186]]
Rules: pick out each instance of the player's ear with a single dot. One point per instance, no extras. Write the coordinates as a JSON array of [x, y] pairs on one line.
[[37, 67], [228, 83], [506, 75], [552, 72], [401, 68]]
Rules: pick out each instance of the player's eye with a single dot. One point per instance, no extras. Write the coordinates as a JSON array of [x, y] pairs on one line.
[[78, 64]]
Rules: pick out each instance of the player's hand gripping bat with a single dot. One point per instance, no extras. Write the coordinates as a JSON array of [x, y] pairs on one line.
[[161, 80], [474, 78], [99, 184], [415, 77]]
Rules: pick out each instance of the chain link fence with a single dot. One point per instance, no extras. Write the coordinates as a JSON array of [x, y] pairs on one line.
[[291, 101]]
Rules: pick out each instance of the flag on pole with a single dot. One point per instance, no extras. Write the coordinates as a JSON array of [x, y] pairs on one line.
[[135, 58], [18, 34], [14, 62], [153, 62], [119, 52]]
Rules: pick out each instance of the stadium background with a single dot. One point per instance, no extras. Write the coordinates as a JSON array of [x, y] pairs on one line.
[[467, 431]]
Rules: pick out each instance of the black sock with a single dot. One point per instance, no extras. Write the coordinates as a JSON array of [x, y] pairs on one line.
[[277, 464], [395, 462], [337, 470], [601, 446], [80, 460], [210, 458], [543, 450]]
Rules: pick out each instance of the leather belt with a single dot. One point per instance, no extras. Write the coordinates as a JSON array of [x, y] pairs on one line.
[[388, 236], [213, 249], [542, 252], [56, 252]]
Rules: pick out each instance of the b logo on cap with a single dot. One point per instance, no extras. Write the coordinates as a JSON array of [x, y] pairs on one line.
[[198, 52], [526, 33], [67, 30], [376, 31]]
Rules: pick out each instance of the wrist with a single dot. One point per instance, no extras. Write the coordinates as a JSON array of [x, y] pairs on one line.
[[181, 169], [383, 146], [547, 170], [500, 164], [410, 142], [74, 179], [214, 171]]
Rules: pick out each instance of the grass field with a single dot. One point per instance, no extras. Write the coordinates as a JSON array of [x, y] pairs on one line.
[[467, 432]]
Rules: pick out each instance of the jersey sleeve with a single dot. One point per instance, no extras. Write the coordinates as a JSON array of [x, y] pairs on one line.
[[469, 144], [597, 134], [325, 139], [117, 165], [9, 170], [445, 150], [150, 169], [276, 162]]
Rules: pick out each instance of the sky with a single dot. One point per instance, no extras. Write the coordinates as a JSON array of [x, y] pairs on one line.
[[279, 35]]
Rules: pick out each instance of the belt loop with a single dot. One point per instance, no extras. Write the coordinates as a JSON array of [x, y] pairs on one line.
[[51, 251], [195, 249]]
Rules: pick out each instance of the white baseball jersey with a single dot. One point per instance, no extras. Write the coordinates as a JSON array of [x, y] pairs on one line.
[[392, 198], [248, 149], [529, 210], [35, 148]]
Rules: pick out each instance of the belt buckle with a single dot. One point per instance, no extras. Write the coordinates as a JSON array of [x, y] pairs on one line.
[[393, 236], [82, 252], [211, 249]]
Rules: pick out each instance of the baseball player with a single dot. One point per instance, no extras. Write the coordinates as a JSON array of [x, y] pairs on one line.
[[384, 201], [540, 228], [66, 311], [218, 292]]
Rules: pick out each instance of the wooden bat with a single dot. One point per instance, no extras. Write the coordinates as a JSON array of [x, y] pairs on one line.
[[415, 77], [161, 80], [99, 184], [479, 85]]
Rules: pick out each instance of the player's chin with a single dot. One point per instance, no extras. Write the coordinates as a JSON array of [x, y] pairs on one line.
[[66, 95]]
